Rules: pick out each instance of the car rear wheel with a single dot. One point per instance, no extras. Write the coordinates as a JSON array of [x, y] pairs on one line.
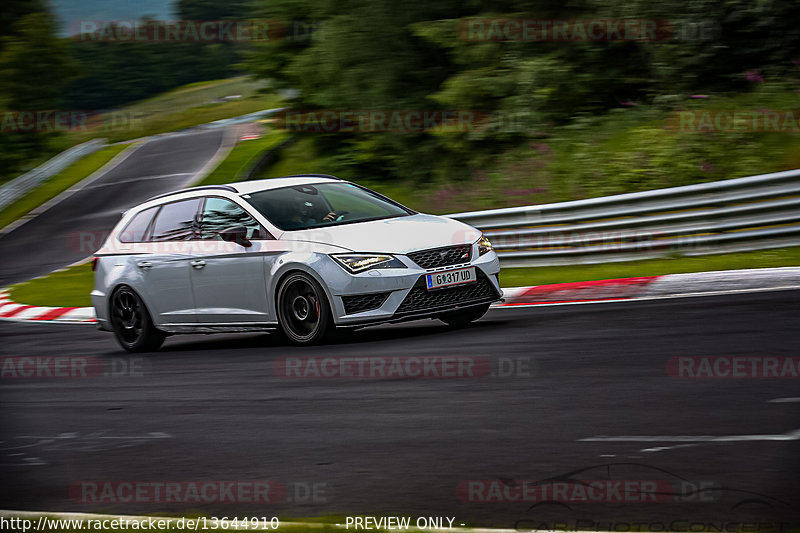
[[131, 322], [303, 310], [461, 318]]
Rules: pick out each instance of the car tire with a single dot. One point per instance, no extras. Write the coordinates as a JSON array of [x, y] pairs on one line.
[[458, 319], [304, 314], [132, 324]]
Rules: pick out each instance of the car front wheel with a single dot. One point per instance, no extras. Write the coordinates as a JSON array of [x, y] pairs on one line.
[[131, 322], [303, 310]]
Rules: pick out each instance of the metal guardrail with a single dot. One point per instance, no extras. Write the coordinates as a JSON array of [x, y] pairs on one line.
[[23, 184], [243, 119], [751, 213]]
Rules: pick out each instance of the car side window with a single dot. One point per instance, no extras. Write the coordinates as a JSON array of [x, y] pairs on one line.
[[176, 221], [136, 229], [220, 214]]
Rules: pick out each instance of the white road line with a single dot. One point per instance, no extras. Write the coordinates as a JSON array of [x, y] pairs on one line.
[[784, 400], [791, 435], [665, 448]]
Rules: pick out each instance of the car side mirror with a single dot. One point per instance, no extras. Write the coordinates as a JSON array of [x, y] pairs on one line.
[[237, 234]]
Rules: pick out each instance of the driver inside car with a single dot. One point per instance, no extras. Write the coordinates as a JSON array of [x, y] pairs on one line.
[[305, 213]]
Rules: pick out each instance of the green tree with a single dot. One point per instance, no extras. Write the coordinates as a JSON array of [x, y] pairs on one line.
[[35, 65]]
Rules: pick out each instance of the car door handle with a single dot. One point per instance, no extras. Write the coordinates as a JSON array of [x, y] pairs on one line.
[[144, 265], [198, 263]]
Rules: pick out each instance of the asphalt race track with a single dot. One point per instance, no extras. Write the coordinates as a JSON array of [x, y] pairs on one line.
[[213, 408], [75, 227]]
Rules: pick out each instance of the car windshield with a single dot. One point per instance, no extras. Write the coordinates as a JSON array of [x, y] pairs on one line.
[[323, 204]]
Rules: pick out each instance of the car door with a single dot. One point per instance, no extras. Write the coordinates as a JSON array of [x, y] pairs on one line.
[[165, 269], [228, 279]]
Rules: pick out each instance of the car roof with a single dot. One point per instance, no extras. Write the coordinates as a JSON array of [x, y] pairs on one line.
[[246, 187]]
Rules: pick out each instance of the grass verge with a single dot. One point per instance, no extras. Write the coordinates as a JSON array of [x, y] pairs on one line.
[[65, 288], [71, 287], [243, 155], [181, 108], [59, 183]]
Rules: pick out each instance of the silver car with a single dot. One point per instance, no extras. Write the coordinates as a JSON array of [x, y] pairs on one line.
[[302, 255]]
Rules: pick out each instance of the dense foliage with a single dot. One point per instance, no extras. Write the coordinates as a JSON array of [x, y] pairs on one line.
[[383, 54], [28, 31], [42, 70], [356, 55]]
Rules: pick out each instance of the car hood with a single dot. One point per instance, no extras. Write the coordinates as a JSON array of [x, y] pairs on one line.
[[395, 235]]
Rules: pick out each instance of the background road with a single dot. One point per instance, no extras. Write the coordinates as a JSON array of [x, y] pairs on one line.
[[212, 408], [73, 229]]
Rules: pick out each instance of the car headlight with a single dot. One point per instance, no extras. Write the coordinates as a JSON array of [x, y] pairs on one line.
[[484, 246], [355, 263]]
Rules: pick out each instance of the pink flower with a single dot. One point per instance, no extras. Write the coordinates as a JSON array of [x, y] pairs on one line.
[[754, 76]]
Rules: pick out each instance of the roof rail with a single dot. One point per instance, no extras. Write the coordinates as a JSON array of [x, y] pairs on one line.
[[201, 188], [313, 176]]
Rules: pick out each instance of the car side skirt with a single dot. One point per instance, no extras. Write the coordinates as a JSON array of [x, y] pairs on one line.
[[206, 327]]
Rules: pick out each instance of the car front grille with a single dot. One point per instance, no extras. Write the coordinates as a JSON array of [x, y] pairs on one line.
[[358, 303], [420, 299], [440, 257]]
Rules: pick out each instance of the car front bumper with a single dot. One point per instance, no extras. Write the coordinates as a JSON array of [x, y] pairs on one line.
[[396, 294]]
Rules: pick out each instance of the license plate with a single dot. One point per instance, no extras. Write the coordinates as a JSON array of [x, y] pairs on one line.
[[438, 280]]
